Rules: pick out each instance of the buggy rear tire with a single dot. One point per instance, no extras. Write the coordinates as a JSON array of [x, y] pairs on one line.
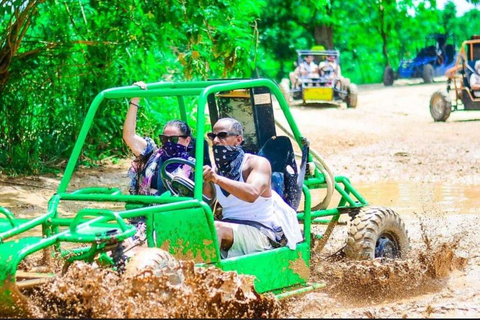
[[352, 96], [388, 76], [440, 106], [428, 73], [285, 88], [377, 232]]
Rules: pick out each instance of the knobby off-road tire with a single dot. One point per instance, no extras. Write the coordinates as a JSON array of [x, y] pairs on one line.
[[440, 105], [352, 96], [376, 229], [388, 76], [428, 73], [159, 261]]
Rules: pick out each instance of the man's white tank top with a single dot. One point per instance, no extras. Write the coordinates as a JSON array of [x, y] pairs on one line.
[[261, 210]]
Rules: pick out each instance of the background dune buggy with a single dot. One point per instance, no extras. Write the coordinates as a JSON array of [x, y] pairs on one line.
[[458, 95], [431, 61], [327, 88]]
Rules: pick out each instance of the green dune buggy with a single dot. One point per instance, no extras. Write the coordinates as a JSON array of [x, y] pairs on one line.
[[88, 224]]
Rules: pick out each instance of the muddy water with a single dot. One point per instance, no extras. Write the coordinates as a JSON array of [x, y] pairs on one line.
[[440, 218], [87, 291], [440, 277], [412, 196]]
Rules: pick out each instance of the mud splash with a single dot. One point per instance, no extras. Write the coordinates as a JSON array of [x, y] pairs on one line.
[[425, 270], [90, 291], [360, 282], [371, 289]]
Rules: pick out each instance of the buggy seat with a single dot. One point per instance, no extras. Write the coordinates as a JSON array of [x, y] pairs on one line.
[[287, 179], [468, 73]]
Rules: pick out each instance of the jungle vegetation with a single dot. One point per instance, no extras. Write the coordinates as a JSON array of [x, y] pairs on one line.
[[56, 56]]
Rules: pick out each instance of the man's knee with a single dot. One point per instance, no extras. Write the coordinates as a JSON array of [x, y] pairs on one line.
[[224, 234]]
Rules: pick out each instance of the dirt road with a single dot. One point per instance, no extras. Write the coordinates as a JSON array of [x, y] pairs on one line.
[[393, 151], [397, 156]]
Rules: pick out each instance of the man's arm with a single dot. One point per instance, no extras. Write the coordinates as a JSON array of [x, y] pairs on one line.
[[207, 189], [257, 183], [303, 69], [338, 71]]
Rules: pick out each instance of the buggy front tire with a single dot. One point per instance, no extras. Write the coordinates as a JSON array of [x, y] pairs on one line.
[[157, 261], [377, 232], [440, 106], [388, 76]]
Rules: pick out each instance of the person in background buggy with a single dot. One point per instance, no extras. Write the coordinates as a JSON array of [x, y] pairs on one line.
[[475, 80], [303, 73], [329, 68]]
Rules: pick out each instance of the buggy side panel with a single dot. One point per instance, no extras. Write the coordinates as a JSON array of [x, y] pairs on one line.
[[188, 234], [291, 267]]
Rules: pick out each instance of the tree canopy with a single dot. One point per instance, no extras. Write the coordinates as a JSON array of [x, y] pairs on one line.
[[55, 57]]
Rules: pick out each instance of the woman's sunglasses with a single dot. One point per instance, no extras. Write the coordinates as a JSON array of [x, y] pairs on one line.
[[174, 139], [221, 135]]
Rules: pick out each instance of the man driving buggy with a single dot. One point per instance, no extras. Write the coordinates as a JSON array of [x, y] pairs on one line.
[[475, 80], [303, 73], [329, 68], [255, 217]]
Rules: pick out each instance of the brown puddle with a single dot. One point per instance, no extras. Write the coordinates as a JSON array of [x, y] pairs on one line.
[[442, 267], [420, 286], [408, 196]]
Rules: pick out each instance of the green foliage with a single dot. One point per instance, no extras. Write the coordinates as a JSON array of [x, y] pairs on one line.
[[55, 57], [94, 45], [357, 32]]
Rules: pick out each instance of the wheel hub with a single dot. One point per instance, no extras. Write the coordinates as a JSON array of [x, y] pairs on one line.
[[438, 105], [386, 248]]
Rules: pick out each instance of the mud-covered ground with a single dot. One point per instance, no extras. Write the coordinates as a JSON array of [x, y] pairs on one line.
[[389, 138]]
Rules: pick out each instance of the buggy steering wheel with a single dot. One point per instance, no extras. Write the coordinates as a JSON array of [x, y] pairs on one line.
[[180, 185]]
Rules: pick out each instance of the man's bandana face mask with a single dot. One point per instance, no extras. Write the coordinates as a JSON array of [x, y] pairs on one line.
[[228, 160]]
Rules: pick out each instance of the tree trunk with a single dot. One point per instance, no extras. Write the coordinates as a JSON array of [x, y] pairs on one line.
[[383, 35], [13, 34], [323, 35]]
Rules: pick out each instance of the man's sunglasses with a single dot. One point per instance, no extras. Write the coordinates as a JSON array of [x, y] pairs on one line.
[[221, 135], [174, 139]]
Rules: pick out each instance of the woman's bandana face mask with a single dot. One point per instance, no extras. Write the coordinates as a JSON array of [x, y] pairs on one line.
[[174, 150], [228, 160]]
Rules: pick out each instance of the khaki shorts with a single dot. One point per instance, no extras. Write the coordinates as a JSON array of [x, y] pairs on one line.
[[246, 239]]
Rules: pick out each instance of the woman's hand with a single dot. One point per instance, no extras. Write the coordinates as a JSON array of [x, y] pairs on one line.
[[141, 84]]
